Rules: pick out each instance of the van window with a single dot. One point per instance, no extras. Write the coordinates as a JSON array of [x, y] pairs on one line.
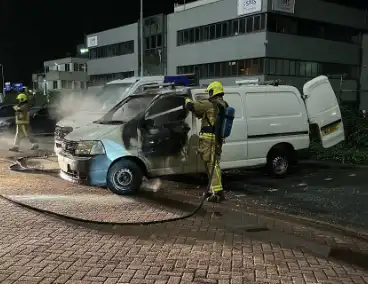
[[233, 99], [272, 104], [160, 110]]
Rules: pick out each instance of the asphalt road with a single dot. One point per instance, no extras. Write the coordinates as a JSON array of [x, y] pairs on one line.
[[337, 196], [333, 195]]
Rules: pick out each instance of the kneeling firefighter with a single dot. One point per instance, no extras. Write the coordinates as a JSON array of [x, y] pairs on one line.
[[213, 113], [22, 123]]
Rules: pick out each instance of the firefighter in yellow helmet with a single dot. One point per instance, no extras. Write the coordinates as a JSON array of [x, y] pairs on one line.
[[210, 146], [22, 123]]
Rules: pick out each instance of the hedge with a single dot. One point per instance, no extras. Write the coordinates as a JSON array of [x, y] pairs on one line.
[[354, 150]]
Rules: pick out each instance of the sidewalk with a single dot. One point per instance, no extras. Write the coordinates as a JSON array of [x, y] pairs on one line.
[[221, 244]]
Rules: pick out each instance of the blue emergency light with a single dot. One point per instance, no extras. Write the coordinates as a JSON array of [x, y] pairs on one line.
[[177, 80]]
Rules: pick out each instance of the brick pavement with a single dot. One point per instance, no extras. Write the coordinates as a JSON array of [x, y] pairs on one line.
[[207, 248]]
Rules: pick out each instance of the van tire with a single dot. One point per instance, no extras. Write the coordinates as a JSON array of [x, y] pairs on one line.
[[280, 162], [124, 177]]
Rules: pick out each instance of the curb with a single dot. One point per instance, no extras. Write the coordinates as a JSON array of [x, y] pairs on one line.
[[331, 165]]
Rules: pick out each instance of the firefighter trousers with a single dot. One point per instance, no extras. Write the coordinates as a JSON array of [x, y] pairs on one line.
[[22, 132], [210, 151]]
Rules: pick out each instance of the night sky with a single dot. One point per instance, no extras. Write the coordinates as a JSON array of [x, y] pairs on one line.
[[36, 31]]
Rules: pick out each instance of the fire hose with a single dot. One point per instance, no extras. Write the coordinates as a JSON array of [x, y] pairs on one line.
[[19, 167]]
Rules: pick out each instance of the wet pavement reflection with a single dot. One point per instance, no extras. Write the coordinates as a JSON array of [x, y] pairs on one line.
[[337, 196]]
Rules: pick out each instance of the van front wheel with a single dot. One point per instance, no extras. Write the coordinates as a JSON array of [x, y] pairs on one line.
[[279, 163], [124, 177]]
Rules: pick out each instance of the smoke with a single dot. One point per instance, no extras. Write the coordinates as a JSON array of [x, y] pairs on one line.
[[77, 103], [6, 141]]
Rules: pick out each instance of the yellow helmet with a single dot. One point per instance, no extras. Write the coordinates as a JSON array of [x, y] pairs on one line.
[[22, 98], [214, 89]]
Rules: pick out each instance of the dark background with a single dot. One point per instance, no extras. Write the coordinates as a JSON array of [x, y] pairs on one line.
[[35, 31]]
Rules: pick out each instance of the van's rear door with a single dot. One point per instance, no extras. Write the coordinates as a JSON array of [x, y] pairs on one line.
[[323, 109]]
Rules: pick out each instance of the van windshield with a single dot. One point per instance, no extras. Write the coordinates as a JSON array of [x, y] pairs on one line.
[[129, 110], [107, 98]]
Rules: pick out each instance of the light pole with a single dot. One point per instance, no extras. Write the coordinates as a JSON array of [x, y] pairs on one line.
[[2, 75], [141, 36]]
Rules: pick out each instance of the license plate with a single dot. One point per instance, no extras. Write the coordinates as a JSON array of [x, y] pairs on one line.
[[330, 129]]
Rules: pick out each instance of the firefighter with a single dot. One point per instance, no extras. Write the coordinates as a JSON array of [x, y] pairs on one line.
[[209, 145], [22, 123]]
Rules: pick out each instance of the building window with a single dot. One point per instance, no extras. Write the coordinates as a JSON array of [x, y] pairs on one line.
[[112, 50], [224, 29], [101, 79], [298, 68], [54, 84], [269, 66], [67, 67], [64, 84], [308, 28], [245, 67]]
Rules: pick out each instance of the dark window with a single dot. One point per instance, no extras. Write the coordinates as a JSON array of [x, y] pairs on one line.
[[257, 23], [218, 33], [292, 68], [242, 26], [308, 28], [249, 25], [111, 50], [222, 29], [241, 68], [206, 33], [235, 27], [212, 32], [197, 34], [225, 29], [224, 69], [159, 40], [233, 68], [211, 70], [191, 35]]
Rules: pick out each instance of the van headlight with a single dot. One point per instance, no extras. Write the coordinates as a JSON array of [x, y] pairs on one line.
[[90, 148]]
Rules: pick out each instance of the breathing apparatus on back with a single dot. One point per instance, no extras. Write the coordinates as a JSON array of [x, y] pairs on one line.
[[225, 114]]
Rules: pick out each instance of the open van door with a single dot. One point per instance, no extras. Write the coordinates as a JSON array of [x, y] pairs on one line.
[[323, 109]]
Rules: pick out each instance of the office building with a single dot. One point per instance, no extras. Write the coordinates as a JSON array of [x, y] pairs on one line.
[[228, 40], [66, 74]]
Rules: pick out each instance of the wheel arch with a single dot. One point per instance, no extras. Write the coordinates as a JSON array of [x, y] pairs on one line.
[[281, 146], [134, 159]]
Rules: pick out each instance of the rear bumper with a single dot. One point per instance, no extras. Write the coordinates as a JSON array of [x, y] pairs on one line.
[[84, 170]]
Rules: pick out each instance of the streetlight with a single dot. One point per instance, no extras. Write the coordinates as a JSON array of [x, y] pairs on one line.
[[2, 74], [141, 36]]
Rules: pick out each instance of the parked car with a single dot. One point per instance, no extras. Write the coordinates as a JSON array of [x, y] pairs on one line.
[[42, 119]]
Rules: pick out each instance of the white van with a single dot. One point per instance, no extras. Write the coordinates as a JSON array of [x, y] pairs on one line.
[[158, 137], [97, 105]]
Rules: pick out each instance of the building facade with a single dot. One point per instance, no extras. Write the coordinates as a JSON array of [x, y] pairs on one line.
[[66, 74], [228, 40], [292, 40], [113, 54]]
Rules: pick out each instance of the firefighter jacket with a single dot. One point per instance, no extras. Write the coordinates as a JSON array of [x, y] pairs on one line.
[[21, 114]]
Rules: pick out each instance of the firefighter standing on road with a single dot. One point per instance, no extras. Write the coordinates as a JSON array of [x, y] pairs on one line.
[[22, 123], [210, 146]]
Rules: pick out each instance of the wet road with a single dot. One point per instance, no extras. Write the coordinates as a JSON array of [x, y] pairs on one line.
[[337, 196]]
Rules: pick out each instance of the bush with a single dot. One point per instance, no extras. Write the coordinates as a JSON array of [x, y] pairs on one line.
[[355, 147]]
